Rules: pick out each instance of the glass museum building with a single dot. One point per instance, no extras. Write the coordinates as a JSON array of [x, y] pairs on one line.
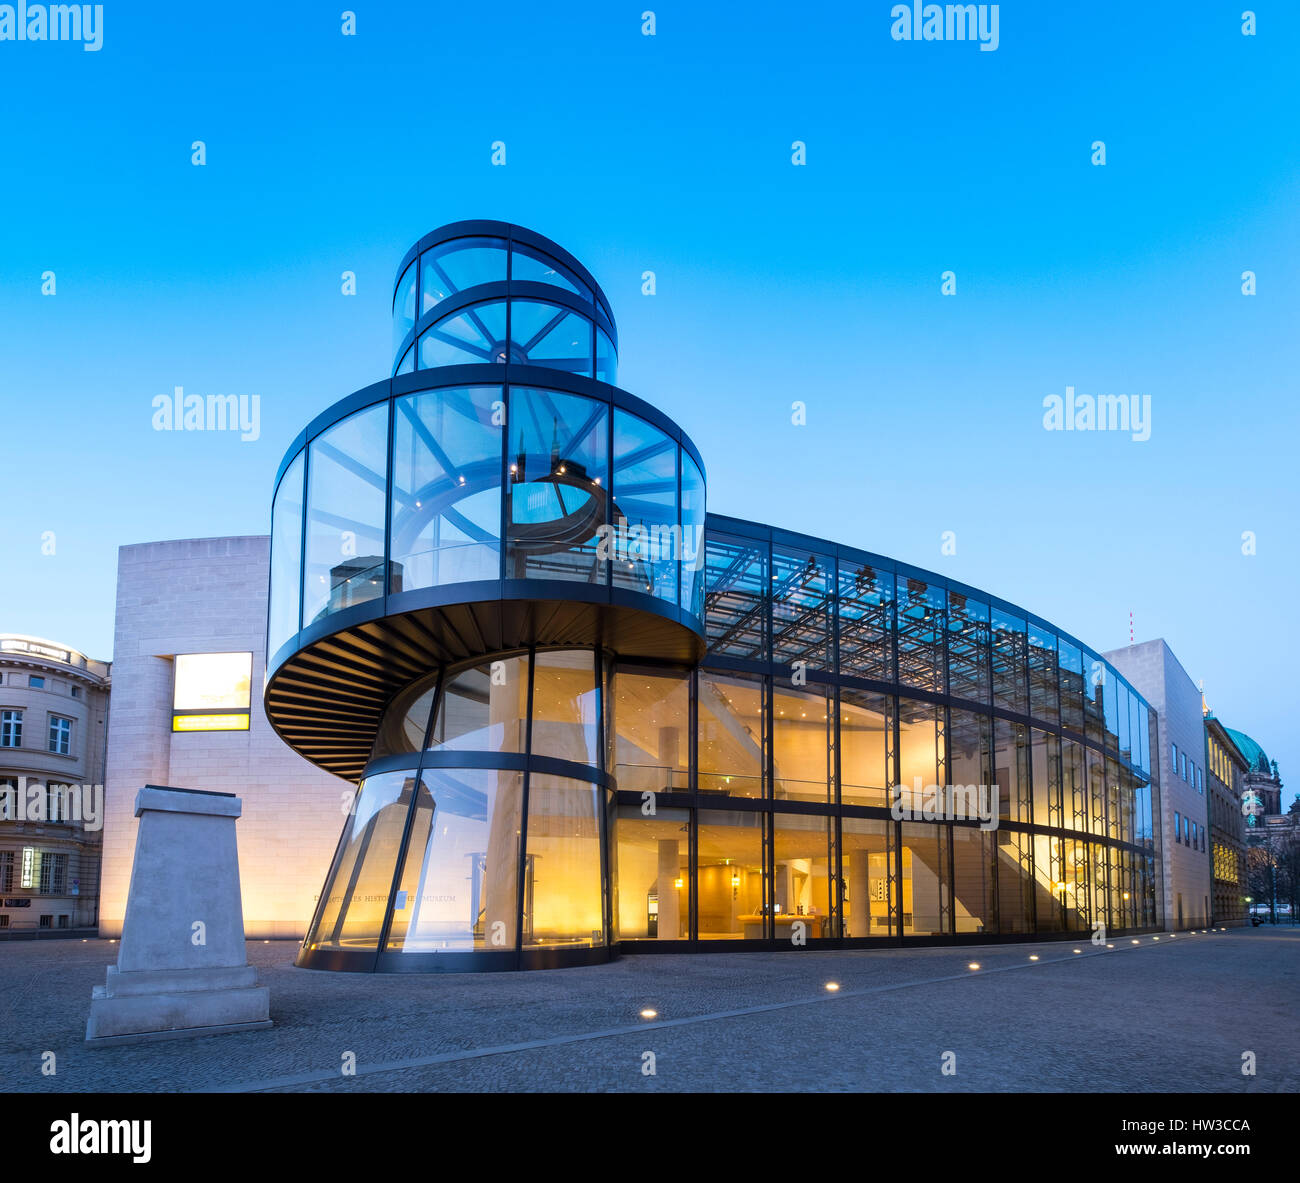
[[584, 715]]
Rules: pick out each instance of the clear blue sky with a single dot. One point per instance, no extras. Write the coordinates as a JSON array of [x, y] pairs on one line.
[[820, 283]]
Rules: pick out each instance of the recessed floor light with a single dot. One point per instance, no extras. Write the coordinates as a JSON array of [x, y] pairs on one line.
[[1033, 957], [1137, 942], [832, 986], [649, 1014], [973, 965], [1078, 950]]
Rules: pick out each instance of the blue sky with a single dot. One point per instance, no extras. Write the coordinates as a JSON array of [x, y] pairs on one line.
[[820, 283]]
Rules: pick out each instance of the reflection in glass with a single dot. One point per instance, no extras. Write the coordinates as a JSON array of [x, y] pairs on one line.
[[926, 901], [1071, 681], [406, 719], [974, 854], [483, 708], [918, 751], [804, 853], [459, 888], [801, 607], [447, 486], [1011, 768], [869, 891], [922, 622], [347, 472], [645, 508], [558, 488], [652, 729], [452, 267], [404, 306], [693, 513], [968, 648], [865, 619], [563, 897], [1015, 883], [730, 875], [866, 748], [802, 743], [565, 715], [654, 873], [286, 557], [529, 265], [606, 359], [1043, 674], [356, 892], [1010, 671], [732, 730], [736, 591]]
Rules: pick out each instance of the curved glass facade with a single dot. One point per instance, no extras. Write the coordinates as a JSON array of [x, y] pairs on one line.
[[857, 752]]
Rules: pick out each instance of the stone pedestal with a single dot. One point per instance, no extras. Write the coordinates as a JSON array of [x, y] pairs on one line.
[[182, 968]]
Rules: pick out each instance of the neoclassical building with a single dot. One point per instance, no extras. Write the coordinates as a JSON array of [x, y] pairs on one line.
[[53, 724], [582, 713]]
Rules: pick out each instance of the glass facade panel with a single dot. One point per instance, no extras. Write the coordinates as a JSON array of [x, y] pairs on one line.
[[652, 729], [1074, 786], [801, 608], [865, 622], [563, 874], [347, 476], [550, 336], [870, 893], [731, 904], [1074, 885], [557, 500], [1096, 792], [736, 591], [483, 708], [286, 557], [1071, 683], [866, 748], [606, 359], [1010, 667], [692, 547], [406, 720], [452, 267], [446, 514], [926, 901], [1043, 677], [404, 306], [970, 756], [356, 892], [532, 266], [1015, 883], [974, 855], [645, 508], [802, 741], [918, 751], [473, 336], [1048, 883], [654, 874], [1094, 690], [968, 648], [802, 884], [1011, 769], [922, 623], [565, 715], [732, 733], [1045, 760], [460, 886]]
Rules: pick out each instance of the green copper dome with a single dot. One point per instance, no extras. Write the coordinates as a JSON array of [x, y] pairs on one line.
[[1254, 754]]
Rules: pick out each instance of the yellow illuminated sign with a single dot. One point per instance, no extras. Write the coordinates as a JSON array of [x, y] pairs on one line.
[[210, 722]]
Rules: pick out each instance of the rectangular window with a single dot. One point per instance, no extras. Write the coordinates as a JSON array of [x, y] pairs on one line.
[[6, 870], [212, 691], [11, 729], [1182, 764], [46, 921], [54, 870], [1178, 826], [76, 692], [35, 682], [63, 921], [4, 921], [60, 735]]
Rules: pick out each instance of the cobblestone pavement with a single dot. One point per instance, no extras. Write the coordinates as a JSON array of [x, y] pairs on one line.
[[1175, 1014]]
